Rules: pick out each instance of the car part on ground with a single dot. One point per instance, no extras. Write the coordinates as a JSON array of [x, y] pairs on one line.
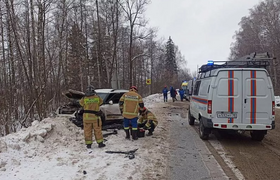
[[130, 154], [110, 133]]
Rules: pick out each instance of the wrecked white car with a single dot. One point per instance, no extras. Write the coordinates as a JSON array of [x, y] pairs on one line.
[[109, 108]]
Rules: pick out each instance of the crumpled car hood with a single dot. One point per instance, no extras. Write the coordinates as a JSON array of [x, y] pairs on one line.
[[73, 94]]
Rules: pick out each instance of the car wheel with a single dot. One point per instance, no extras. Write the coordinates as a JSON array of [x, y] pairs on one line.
[[258, 135], [203, 132], [191, 119]]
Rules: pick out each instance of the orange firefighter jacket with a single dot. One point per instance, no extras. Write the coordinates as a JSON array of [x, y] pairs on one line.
[[148, 118], [130, 103], [90, 103]]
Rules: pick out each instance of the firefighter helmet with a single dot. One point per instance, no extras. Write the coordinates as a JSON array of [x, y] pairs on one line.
[[143, 111], [90, 91], [134, 88]]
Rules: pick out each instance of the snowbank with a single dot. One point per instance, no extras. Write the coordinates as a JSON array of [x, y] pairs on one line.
[[277, 101]]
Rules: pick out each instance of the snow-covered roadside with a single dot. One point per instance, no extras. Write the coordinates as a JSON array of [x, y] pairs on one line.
[[277, 102], [54, 149]]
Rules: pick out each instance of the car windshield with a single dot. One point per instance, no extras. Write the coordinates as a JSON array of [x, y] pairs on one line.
[[102, 95]]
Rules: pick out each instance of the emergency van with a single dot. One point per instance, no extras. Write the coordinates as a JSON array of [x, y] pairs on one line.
[[233, 95]]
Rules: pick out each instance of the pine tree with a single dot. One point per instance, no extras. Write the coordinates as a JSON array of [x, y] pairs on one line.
[[171, 69], [76, 58]]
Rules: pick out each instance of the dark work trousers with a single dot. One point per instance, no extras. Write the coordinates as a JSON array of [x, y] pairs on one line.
[[165, 97]]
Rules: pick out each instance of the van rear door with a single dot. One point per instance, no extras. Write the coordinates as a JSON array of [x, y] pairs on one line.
[[227, 100], [258, 92]]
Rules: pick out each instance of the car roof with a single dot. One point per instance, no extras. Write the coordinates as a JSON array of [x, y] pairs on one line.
[[110, 90]]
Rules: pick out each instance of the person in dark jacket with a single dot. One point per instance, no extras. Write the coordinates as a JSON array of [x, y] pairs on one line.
[[164, 92], [181, 92], [173, 93]]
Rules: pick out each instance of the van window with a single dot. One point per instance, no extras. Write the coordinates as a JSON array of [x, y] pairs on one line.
[[204, 87], [202, 75], [196, 88], [207, 74], [199, 76]]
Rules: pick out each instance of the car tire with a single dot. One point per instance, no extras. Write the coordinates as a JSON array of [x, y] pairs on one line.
[[258, 135], [203, 132], [191, 119]]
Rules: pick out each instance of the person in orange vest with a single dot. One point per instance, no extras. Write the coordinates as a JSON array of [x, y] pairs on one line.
[[91, 117], [129, 104], [148, 121]]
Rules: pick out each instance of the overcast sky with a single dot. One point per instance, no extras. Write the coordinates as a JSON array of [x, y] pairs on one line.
[[203, 29]]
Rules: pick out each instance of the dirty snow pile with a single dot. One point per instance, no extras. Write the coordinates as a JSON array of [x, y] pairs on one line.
[[277, 101], [54, 149]]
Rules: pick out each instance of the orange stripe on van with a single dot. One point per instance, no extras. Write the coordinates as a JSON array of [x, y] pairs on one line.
[[200, 100], [230, 94]]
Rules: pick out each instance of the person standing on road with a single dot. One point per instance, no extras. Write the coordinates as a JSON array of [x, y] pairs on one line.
[[181, 92], [130, 103], [165, 91], [91, 117], [147, 120], [173, 93]]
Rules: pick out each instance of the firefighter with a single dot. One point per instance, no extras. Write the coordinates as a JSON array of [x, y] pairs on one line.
[[91, 117], [147, 120], [129, 104]]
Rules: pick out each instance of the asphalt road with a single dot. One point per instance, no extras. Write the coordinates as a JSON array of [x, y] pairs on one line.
[[189, 157]]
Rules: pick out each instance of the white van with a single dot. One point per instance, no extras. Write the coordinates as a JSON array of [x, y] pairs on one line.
[[235, 95]]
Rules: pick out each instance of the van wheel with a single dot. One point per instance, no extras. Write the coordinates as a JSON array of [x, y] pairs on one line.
[[191, 119], [258, 135], [203, 132]]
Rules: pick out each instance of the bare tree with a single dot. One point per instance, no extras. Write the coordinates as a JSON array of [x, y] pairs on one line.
[[134, 10], [260, 32]]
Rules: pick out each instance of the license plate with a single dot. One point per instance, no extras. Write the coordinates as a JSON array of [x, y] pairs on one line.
[[227, 114]]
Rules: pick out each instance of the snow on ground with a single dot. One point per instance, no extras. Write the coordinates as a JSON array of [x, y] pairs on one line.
[[277, 101], [54, 149]]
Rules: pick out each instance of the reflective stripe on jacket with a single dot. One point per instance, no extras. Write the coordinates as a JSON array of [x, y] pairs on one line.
[[129, 104], [90, 103], [148, 118]]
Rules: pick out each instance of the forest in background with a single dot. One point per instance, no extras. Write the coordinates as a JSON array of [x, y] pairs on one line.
[[50, 46], [260, 32]]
